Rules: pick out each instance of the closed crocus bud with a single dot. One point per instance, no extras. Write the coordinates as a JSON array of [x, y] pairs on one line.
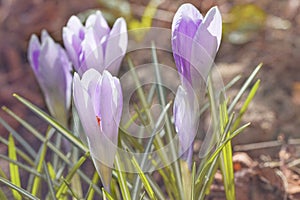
[[52, 69], [95, 45], [186, 117], [98, 100], [195, 42]]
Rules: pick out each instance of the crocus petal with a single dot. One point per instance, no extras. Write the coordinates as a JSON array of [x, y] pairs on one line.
[[206, 43], [108, 106], [186, 20], [83, 104], [92, 52], [213, 23], [72, 45], [185, 112], [98, 23], [74, 24], [34, 52], [52, 69], [184, 26], [117, 43]]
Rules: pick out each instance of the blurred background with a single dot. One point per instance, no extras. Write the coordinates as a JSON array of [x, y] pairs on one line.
[[264, 31]]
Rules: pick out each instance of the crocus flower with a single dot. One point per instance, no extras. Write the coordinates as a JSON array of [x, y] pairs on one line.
[[95, 45], [186, 117], [195, 42], [52, 69], [98, 100]]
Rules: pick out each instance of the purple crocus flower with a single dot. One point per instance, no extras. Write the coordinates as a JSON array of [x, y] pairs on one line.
[[95, 45], [195, 42], [98, 100], [52, 69]]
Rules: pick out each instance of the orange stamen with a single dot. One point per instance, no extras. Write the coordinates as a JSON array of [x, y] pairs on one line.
[[98, 120]]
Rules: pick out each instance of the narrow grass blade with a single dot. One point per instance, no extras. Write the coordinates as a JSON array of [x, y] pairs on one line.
[[137, 184], [144, 180], [193, 181], [246, 104], [38, 135], [18, 137], [67, 134], [106, 195], [51, 171], [91, 192], [63, 187], [243, 89], [13, 168], [140, 92], [218, 150], [161, 94], [36, 183], [122, 178], [49, 181], [20, 165], [2, 195], [225, 159], [19, 152], [20, 190], [51, 146]]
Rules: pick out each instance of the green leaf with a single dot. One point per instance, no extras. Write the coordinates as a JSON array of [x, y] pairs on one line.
[[18, 189], [67, 134], [137, 185], [37, 181], [63, 187], [144, 179], [49, 181], [91, 192], [106, 195], [51, 171], [162, 98], [2, 195], [18, 137], [225, 159], [217, 152], [122, 178], [243, 89], [20, 165], [193, 181], [246, 104], [13, 168], [19, 152]]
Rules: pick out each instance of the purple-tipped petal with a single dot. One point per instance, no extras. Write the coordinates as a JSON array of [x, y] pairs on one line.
[[53, 71], [34, 52], [195, 41], [184, 26], [186, 20], [117, 43]]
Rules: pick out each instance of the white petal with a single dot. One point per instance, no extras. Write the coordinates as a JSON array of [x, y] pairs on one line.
[[116, 46]]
